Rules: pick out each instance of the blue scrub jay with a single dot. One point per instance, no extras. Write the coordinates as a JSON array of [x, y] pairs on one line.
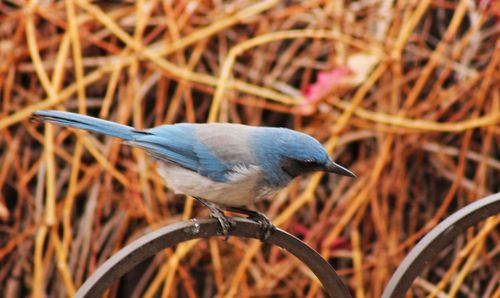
[[219, 164]]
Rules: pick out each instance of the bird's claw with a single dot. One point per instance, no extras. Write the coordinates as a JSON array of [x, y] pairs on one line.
[[266, 226], [226, 223]]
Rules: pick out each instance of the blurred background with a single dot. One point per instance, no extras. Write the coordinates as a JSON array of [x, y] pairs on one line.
[[404, 93]]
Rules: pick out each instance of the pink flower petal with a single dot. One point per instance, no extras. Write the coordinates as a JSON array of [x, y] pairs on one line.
[[328, 82]]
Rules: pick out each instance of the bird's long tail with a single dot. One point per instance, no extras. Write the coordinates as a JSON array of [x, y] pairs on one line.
[[88, 123]]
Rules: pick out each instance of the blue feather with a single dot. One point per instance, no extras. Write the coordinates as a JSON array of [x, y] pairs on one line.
[[211, 166], [177, 144], [89, 123], [172, 143], [213, 150]]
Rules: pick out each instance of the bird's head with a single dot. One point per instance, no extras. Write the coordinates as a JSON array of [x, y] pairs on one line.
[[305, 154], [295, 153]]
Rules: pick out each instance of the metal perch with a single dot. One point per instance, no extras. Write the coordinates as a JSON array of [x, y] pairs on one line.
[[436, 240], [153, 242], [420, 256]]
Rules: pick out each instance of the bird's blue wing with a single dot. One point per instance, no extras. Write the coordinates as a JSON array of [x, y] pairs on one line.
[[178, 144], [210, 166]]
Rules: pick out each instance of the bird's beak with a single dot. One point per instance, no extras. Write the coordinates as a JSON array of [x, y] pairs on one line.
[[337, 169]]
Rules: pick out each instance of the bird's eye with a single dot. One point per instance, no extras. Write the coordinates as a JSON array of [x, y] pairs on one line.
[[296, 167]]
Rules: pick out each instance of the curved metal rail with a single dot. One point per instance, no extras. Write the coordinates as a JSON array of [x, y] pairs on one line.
[[436, 240], [153, 242], [419, 257]]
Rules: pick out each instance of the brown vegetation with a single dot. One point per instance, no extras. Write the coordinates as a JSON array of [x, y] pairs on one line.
[[416, 116]]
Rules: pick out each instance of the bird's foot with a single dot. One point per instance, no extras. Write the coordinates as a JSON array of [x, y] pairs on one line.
[[266, 226], [226, 223]]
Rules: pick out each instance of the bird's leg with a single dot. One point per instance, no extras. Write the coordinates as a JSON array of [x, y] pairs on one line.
[[265, 224], [217, 213]]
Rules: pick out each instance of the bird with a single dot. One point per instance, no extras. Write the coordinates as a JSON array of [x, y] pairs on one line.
[[224, 166]]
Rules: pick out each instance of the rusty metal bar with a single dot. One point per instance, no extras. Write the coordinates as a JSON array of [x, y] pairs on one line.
[[436, 240], [148, 245]]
